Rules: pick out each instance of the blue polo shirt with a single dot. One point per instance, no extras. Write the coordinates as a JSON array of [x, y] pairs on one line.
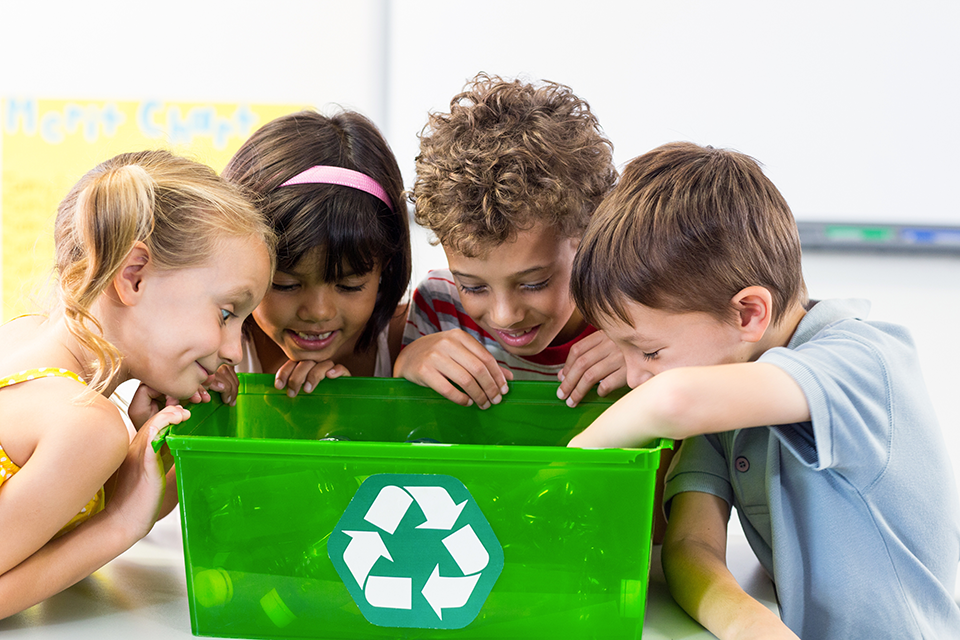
[[855, 514]]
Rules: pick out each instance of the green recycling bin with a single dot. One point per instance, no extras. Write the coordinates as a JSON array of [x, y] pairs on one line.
[[375, 508]]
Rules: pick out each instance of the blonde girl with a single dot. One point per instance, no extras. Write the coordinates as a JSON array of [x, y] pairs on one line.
[[158, 262]]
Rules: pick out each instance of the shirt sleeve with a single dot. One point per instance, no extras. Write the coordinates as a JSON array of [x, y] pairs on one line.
[[422, 317], [846, 377], [700, 465]]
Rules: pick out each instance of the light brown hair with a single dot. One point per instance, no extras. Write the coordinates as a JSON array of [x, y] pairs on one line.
[[507, 156], [687, 228], [180, 209]]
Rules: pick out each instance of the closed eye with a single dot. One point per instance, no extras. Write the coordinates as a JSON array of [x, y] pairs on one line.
[[470, 289], [652, 355], [537, 286]]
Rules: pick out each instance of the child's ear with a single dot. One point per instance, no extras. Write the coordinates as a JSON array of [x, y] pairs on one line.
[[128, 282], [754, 306]]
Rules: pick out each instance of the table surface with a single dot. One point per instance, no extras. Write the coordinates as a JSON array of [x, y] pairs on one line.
[[143, 594]]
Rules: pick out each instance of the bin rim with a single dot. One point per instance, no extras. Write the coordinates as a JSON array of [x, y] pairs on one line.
[[534, 392]]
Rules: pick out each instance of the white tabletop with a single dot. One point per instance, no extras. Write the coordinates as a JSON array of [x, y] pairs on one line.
[[143, 595]]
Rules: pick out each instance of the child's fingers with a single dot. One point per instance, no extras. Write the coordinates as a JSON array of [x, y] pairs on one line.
[[612, 382], [171, 414], [143, 405], [590, 377], [283, 374], [145, 393], [439, 383], [496, 373], [339, 371], [449, 358], [226, 384], [582, 355], [486, 371], [199, 396], [305, 375], [473, 378], [314, 373], [609, 373], [594, 359]]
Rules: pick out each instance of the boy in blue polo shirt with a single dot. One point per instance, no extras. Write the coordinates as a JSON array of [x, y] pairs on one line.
[[812, 421]]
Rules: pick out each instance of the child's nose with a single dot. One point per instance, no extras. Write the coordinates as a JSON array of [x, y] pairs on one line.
[[505, 312], [316, 309], [637, 376], [231, 350]]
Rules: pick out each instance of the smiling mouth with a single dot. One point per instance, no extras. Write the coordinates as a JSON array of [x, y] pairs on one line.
[[519, 338], [314, 336], [210, 377], [311, 340]]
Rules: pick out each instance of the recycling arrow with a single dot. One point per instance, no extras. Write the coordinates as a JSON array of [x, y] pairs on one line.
[[437, 506], [467, 550], [363, 551], [446, 593], [388, 508]]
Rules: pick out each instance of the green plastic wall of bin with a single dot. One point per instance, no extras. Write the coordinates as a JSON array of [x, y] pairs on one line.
[[262, 486]]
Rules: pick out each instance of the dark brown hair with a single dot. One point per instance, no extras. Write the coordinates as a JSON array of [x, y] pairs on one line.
[[687, 228], [510, 155], [352, 228]]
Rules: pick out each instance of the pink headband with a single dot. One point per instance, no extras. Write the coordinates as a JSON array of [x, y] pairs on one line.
[[342, 177]]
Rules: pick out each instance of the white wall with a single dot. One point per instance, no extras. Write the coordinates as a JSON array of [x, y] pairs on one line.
[[851, 106]]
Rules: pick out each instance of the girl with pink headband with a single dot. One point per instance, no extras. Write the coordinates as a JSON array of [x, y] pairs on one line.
[[332, 190]]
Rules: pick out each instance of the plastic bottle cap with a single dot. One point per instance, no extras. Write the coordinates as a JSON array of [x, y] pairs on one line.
[[276, 609], [212, 587]]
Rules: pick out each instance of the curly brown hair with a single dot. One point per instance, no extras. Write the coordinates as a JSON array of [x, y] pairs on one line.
[[510, 155]]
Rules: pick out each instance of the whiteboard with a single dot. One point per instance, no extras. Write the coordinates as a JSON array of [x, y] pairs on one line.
[[852, 107]]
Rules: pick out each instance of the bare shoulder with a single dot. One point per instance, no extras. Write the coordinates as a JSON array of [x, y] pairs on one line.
[[54, 413], [17, 336]]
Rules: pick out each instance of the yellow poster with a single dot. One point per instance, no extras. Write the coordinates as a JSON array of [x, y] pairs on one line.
[[47, 145]]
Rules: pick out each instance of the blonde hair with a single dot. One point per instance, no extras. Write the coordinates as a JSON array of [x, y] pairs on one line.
[[178, 208]]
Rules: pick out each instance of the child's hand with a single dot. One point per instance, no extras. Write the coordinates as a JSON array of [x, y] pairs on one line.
[[140, 481], [226, 382], [454, 357], [146, 403], [306, 375], [594, 359]]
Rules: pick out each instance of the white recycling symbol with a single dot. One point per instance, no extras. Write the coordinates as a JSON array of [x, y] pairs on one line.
[[385, 513]]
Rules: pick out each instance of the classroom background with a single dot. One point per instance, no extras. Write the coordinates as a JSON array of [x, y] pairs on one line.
[[850, 107]]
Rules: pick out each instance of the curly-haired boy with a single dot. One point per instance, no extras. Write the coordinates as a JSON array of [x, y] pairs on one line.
[[507, 181]]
